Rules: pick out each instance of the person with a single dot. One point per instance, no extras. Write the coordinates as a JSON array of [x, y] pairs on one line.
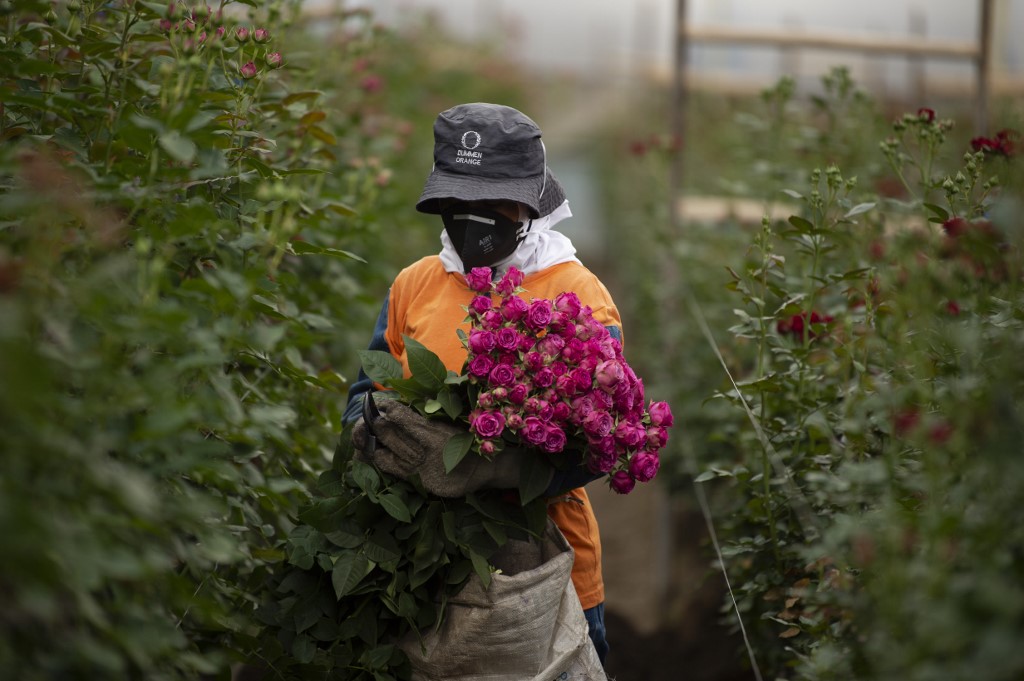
[[499, 203]]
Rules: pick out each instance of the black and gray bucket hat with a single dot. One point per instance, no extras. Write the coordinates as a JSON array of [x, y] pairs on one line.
[[488, 152]]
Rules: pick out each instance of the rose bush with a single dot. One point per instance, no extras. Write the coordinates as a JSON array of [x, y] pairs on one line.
[[858, 450], [180, 306]]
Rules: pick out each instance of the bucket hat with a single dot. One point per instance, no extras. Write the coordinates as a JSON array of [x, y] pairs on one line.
[[490, 152]]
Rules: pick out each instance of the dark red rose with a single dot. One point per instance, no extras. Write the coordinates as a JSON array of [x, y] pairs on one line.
[[925, 114], [799, 324], [905, 420], [955, 226]]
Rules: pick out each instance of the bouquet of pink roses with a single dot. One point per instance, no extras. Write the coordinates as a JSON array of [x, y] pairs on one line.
[[543, 378], [550, 374]]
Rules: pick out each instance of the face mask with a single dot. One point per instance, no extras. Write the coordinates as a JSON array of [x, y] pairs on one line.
[[480, 236]]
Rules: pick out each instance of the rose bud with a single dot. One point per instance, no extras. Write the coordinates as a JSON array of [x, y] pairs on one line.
[[622, 483], [274, 60], [242, 34], [248, 70], [261, 35]]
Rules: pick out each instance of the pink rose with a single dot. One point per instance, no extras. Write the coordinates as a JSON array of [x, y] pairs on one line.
[[560, 412], [488, 447], [573, 350], [538, 315], [544, 378], [657, 437], [248, 70], [491, 320], [550, 345], [508, 339], [608, 375], [513, 308], [629, 435], [601, 400], [517, 395], [512, 280], [569, 303], [533, 361], [554, 440], [644, 466], [534, 431], [480, 304], [598, 423], [602, 461], [582, 378], [480, 366], [481, 342], [660, 413], [622, 483], [479, 279], [488, 424], [625, 398], [565, 386], [525, 343], [514, 422], [581, 408], [501, 375]]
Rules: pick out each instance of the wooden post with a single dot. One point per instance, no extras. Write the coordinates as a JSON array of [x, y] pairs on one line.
[[678, 122], [916, 74], [983, 62]]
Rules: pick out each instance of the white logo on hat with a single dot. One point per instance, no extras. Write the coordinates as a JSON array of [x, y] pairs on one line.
[[471, 139]]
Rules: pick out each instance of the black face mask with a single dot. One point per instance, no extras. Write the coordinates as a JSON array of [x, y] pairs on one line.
[[481, 237]]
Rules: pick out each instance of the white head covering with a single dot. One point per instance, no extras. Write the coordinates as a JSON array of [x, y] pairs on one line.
[[541, 248]]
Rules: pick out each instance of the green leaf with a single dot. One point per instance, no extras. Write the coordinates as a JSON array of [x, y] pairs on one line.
[[349, 570], [801, 223], [303, 649], [481, 567], [395, 507], [859, 208], [378, 657], [534, 475], [939, 211], [496, 531], [455, 450], [380, 366], [306, 248], [178, 146], [432, 406], [426, 367], [451, 402], [365, 477]]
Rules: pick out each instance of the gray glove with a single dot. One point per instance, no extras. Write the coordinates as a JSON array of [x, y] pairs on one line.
[[401, 442]]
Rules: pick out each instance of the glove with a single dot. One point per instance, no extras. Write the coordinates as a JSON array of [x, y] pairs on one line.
[[406, 443]]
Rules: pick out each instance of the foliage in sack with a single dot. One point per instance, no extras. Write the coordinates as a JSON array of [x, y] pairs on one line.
[[375, 560]]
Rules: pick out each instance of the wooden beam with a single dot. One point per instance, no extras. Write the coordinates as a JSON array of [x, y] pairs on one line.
[[836, 41]]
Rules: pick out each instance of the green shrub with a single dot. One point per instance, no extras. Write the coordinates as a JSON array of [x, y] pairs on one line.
[[181, 306], [863, 466]]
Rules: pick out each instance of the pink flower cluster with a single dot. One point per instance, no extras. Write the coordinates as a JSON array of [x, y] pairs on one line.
[[547, 372]]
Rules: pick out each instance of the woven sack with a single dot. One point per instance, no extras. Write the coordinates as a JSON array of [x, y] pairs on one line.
[[527, 626]]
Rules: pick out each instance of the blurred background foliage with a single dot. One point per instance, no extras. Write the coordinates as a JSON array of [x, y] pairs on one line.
[[196, 230]]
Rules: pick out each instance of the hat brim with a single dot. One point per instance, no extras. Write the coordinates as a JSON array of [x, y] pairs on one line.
[[527, 191]]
